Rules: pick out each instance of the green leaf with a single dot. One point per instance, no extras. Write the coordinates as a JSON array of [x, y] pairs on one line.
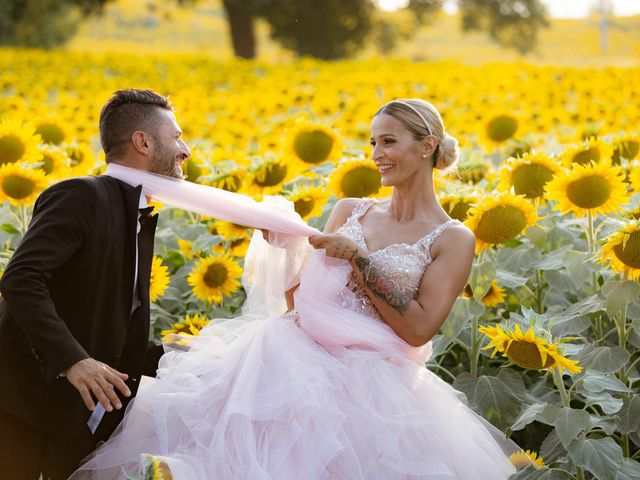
[[531, 473], [630, 470], [530, 414], [595, 382], [497, 399], [552, 449], [460, 315], [630, 415], [510, 279], [481, 277], [577, 266], [606, 424], [602, 456], [607, 402], [619, 294], [603, 359], [552, 261], [9, 228], [569, 423]]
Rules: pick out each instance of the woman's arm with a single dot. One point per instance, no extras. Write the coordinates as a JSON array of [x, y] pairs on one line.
[[417, 320], [339, 214]]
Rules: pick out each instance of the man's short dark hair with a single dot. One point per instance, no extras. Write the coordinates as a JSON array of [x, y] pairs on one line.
[[127, 111]]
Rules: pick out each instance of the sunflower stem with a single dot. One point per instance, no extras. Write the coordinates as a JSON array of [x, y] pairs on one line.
[[474, 354], [559, 382], [591, 242], [579, 473], [625, 445], [24, 221], [539, 288]]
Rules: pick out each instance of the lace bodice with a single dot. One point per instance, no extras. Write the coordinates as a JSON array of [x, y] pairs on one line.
[[404, 263]]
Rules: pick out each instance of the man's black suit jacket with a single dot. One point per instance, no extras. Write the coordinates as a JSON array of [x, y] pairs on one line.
[[67, 294]]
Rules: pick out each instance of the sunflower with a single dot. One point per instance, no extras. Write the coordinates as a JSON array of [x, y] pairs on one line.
[[473, 170], [627, 147], [493, 297], [81, 158], [308, 200], [193, 168], [268, 177], [20, 185], [215, 277], [157, 206], [159, 279], [499, 218], [154, 468], [457, 206], [501, 128], [522, 458], [355, 177], [597, 187], [231, 180], [528, 174], [53, 130], [592, 150], [527, 350], [311, 143], [186, 248], [191, 325], [236, 246], [18, 143], [621, 250], [231, 230], [54, 162]]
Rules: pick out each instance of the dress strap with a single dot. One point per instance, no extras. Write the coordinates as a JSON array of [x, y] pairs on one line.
[[361, 208], [431, 237]]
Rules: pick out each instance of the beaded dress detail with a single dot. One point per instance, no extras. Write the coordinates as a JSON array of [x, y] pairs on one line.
[[404, 263]]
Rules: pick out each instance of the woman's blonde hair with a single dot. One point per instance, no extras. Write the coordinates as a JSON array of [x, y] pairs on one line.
[[423, 119]]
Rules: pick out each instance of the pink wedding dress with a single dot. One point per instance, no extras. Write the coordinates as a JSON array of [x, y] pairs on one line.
[[326, 392]]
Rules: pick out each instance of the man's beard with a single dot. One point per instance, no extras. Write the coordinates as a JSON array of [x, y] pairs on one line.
[[165, 163]]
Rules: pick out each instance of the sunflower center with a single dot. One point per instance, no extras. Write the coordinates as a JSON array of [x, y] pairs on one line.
[[527, 355], [529, 180], [502, 128], [459, 212], [215, 275], [192, 170], [273, 175], [11, 149], [18, 187], [589, 192], [629, 254], [47, 164], [585, 156], [75, 157], [313, 147], [627, 149], [360, 182], [232, 183], [304, 206], [50, 133], [501, 224]]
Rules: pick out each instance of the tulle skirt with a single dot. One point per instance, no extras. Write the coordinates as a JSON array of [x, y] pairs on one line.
[[330, 395]]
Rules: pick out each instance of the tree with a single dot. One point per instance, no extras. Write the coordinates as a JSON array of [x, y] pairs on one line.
[[329, 29], [42, 23], [512, 23]]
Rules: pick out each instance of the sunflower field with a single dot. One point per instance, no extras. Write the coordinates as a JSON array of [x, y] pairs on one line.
[[544, 340]]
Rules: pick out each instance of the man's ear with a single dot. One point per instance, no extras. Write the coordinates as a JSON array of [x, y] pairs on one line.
[[141, 141]]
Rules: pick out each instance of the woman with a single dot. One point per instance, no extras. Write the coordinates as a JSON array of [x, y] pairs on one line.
[[336, 387]]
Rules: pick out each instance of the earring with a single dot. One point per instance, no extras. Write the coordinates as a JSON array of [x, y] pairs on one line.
[[424, 155]]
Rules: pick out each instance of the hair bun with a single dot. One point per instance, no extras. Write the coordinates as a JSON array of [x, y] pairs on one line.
[[448, 152]]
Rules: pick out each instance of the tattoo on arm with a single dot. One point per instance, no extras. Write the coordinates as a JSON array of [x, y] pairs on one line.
[[381, 285]]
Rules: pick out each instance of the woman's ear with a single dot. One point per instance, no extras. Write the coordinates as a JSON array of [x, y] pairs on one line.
[[429, 145]]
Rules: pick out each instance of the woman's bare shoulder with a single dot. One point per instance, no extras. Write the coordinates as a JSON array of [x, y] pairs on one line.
[[339, 213]]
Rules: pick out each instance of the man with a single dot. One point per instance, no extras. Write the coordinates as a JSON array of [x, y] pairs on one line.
[[74, 321]]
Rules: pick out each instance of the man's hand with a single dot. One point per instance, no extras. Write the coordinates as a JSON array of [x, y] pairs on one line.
[[90, 376]]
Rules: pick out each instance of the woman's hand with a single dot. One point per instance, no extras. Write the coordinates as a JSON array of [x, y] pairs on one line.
[[337, 246]]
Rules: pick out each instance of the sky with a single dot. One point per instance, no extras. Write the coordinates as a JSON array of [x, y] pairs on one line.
[[557, 8]]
